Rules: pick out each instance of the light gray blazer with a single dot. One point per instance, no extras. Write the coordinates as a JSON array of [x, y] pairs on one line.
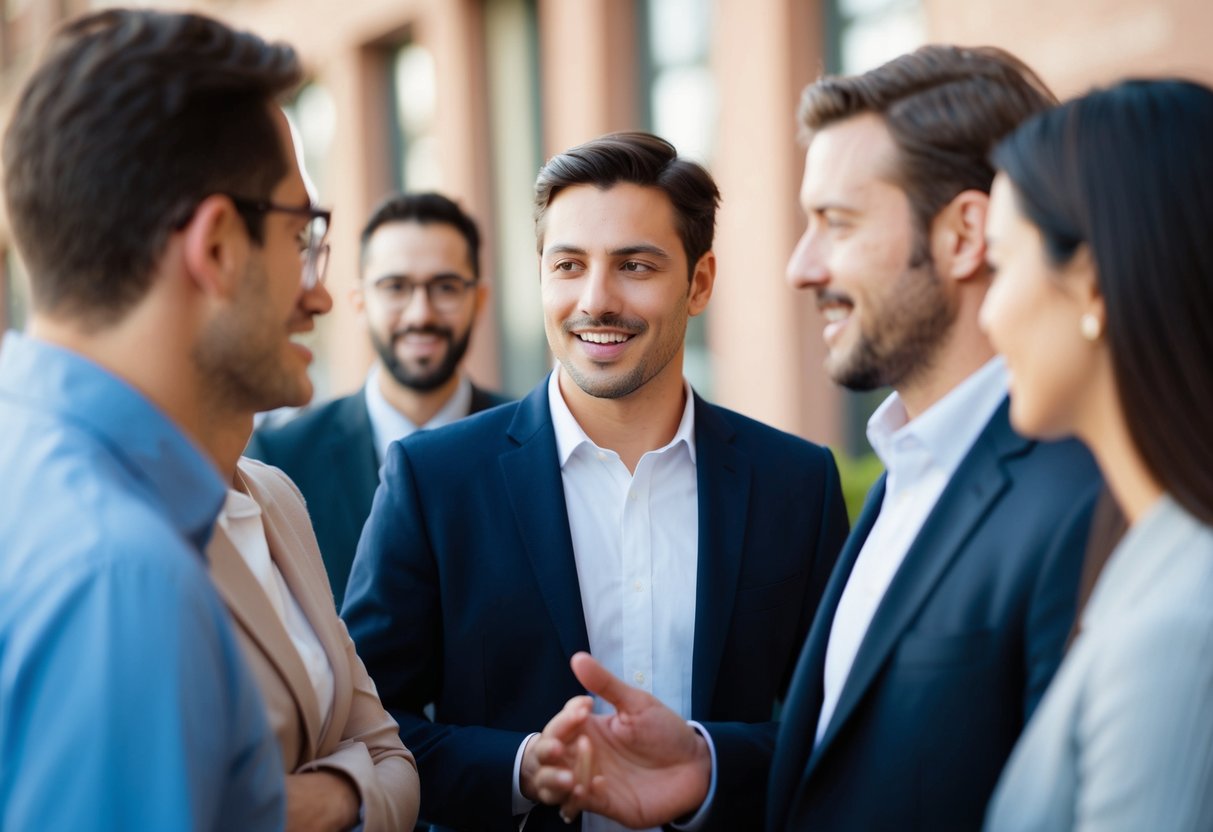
[[1123, 738]]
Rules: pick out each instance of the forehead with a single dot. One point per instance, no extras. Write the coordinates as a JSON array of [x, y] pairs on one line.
[[292, 189], [850, 161], [624, 214], [402, 247]]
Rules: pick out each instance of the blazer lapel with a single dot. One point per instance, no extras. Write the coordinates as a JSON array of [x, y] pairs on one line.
[[351, 452], [290, 552], [723, 479], [973, 490], [798, 723], [251, 609], [536, 494]]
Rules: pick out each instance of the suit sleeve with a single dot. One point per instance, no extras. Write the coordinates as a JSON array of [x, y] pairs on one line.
[[1145, 731], [1053, 599], [393, 611], [744, 750], [372, 755]]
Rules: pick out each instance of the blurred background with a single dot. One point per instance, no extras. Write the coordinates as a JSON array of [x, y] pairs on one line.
[[470, 96]]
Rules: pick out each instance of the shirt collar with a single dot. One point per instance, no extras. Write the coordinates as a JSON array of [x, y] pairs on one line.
[[570, 436], [388, 424], [947, 429], [175, 472]]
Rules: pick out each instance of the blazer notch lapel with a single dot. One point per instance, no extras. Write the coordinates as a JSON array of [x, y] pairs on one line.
[[281, 538], [968, 498], [536, 495], [723, 478], [251, 609], [798, 725]]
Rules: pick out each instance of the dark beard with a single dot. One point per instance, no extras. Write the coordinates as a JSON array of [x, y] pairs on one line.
[[431, 378]]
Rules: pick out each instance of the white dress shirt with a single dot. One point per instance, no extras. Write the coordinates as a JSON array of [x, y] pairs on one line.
[[388, 424], [241, 519], [920, 456], [636, 546]]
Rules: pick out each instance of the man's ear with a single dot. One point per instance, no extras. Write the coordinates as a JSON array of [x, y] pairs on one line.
[[958, 236], [216, 247], [481, 297], [702, 281]]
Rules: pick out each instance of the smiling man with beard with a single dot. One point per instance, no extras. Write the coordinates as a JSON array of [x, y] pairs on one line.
[[419, 294]]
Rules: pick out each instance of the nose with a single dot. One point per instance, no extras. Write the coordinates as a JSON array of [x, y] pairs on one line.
[[806, 267], [417, 308], [317, 300], [598, 295]]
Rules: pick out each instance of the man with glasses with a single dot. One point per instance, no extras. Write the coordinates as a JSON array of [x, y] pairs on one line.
[[154, 194], [419, 294]]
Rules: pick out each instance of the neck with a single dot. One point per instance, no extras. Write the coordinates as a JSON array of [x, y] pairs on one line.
[[1103, 429], [418, 406], [964, 351], [632, 425]]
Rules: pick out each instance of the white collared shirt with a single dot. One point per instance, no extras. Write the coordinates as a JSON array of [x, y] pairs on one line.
[[636, 546], [388, 424], [920, 456], [241, 520]]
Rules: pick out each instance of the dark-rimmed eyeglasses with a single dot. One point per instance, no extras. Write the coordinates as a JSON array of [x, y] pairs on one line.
[[313, 248], [445, 293]]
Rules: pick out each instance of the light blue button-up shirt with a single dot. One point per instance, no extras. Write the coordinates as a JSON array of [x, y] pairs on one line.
[[124, 703]]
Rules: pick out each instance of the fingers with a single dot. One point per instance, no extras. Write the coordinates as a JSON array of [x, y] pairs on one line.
[[598, 680], [570, 719]]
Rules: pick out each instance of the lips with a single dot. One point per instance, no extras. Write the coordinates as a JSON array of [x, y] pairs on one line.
[[421, 343], [836, 309], [603, 345]]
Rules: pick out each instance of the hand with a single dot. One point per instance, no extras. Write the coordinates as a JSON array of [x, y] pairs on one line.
[[321, 801], [642, 766], [561, 729]]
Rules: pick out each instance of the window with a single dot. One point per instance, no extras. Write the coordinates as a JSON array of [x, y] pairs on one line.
[[414, 94], [679, 96]]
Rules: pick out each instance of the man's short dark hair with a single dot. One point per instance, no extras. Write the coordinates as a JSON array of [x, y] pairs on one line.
[[638, 159], [425, 208], [945, 108], [131, 120]]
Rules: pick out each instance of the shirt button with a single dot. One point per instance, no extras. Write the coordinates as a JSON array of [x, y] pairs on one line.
[[639, 677], [638, 586], [632, 496]]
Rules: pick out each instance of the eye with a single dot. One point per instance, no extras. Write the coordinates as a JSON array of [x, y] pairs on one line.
[[567, 266], [392, 286], [447, 287], [635, 266]]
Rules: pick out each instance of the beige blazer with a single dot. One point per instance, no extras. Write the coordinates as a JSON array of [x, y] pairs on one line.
[[358, 738]]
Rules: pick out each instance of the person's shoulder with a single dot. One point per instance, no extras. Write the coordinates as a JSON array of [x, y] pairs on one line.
[[477, 428], [759, 436], [483, 399], [305, 427]]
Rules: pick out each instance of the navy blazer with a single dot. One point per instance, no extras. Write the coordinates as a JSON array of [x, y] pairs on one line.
[[329, 452], [958, 654], [464, 594]]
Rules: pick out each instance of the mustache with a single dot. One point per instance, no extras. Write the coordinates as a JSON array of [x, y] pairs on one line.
[[825, 298], [632, 326], [428, 329]]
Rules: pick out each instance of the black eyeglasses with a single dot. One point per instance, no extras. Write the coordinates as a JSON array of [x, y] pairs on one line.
[[445, 293], [312, 246]]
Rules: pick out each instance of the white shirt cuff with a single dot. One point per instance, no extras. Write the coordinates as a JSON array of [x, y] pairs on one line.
[[697, 820], [521, 805]]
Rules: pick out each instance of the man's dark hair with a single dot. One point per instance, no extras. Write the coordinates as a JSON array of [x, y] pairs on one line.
[[425, 208], [638, 159], [945, 108], [1127, 173], [131, 120]]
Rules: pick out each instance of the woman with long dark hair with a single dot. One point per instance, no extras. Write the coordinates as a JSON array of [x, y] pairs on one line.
[[1101, 239]]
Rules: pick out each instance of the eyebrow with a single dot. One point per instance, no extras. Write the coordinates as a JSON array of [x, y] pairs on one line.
[[403, 276], [623, 251]]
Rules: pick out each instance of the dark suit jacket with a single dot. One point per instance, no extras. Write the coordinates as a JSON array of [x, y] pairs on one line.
[[957, 656], [464, 594], [329, 451]]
